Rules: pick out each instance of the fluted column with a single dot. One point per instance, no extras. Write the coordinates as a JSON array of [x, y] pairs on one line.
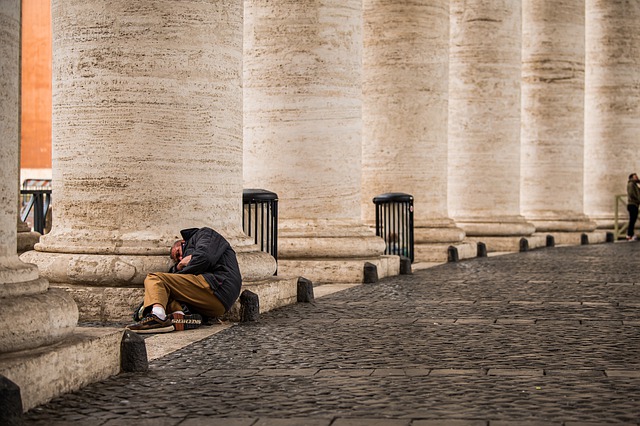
[[553, 116], [612, 104], [31, 315], [303, 128], [484, 120], [147, 140], [405, 93]]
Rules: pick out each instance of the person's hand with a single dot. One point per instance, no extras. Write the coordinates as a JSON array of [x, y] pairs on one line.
[[183, 262]]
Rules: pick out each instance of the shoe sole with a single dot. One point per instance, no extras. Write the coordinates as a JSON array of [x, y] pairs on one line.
[[166, 329], [186, 322]]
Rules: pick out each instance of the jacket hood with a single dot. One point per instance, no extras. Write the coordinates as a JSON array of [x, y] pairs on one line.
[[188, 233]]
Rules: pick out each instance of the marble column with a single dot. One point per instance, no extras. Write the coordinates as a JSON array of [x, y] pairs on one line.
[[303, 129], [147, 140], [612, 104], [552, 164], [484, 122], [31, 315], [405, 94]]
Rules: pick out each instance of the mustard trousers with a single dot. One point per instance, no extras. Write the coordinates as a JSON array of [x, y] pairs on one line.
[[170, 289]]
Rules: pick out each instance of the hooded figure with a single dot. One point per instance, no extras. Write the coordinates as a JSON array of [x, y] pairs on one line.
[[206, 278]]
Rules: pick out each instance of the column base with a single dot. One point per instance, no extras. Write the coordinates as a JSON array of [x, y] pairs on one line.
[[87, 355], [505, 226], [123, 270], [440, 252], [581, 224], [511, 244], [577, 238], [27, 240], [323, 271], [116, 304]]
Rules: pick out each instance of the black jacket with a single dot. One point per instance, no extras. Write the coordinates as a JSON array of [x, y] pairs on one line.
[[214, 259]]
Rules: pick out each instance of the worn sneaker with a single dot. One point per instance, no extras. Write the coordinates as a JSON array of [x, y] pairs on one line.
[[634, 238], [152, 324], [183, 322], [138, 312]]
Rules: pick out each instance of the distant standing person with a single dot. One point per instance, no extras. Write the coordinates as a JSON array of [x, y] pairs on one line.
[[633, 200]]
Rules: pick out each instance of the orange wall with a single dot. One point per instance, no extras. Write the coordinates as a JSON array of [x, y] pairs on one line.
[[36, 84]]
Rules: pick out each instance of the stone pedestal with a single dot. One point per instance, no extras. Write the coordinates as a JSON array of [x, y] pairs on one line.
[[553, 116], [302, 93], [612, 104], [26, 238], [153, 106], [484, 119], [404, 112], [31, 315]]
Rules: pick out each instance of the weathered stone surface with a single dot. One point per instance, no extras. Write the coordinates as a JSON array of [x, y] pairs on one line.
[[30, 316], [302, 111], [86, 356], [405, 86], [612, 102], [34, 320], [553, 119], [484, 110]]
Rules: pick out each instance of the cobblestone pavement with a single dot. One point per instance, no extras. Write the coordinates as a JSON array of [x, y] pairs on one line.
[[546, 337]]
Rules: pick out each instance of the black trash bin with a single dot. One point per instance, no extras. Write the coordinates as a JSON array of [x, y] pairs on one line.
[[394, 223], [260, 218]]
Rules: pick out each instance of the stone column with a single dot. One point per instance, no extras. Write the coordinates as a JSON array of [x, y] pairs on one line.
[[553, 118], [484, 122], [31, 315], [147, 140], [612, 104], [405, 94], [303, 121]]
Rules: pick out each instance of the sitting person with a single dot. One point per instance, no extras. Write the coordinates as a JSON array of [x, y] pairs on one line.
[[205, 277]]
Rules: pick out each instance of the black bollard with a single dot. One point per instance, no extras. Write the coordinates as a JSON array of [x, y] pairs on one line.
[[133, 353], [524, 244], [10, 403], [611, 238], [452, 254], [584, 239], [551, 241], [482, 250], [405, 265], [305, 290], [249, 306], [370, 273]]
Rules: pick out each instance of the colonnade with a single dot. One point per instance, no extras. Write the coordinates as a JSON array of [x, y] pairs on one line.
[[504, 119]]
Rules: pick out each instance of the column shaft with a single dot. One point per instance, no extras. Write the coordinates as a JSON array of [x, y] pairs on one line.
[[30, 314], [484, 118], [612, 103], [405, 92], [553, 115], [303, 123], [147, 140]]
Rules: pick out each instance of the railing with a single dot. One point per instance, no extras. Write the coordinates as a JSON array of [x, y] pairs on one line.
[[394, 223], [36, 203], [620, 230], [260, 219]]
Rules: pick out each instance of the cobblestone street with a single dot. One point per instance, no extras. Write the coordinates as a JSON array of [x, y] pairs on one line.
[[548, 337]]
